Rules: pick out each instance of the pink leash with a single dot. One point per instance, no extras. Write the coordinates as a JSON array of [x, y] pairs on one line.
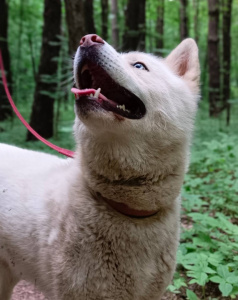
[[60, 150]]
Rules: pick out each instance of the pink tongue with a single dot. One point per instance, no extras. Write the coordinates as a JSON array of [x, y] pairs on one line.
[[78, 92], [101, 97]]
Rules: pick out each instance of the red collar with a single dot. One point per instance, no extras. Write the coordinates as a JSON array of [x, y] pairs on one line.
[[128, 211]]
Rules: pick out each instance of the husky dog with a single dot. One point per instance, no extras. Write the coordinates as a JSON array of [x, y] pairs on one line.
[[105, 224]]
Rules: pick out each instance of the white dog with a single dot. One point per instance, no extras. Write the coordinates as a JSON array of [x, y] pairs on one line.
[[104, 225]]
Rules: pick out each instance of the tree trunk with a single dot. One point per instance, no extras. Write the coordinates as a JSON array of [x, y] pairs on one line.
[[115, 31], [43, 106], [5, 108], [88, 16], [104, 5], [75, 23], [134, 36], [213, 58], [160, 28], [195, 19], [226, 33], [183, 19]]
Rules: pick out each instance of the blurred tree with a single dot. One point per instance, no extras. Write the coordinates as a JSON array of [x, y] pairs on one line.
[[134, 35], [213, 58], [5, 108], [88, 16], [160, 28], [195, 19], [114, 20], [226, 33], [75, 22], [80, 21], [43, 106], [183, 19], [104, 5]]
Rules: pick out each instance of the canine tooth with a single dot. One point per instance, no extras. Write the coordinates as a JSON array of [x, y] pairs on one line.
[[96, 95], [91, 95]]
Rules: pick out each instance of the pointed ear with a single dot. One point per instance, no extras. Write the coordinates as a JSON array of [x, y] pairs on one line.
[[184, 62]]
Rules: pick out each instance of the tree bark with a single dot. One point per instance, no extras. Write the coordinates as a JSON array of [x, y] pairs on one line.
[[104, 6], [213, 58], [183, 19], [134, 36], [160, 27], [75, 23], [43, 107], [5, 108], [115, 31], [88, 16], [226, 33]]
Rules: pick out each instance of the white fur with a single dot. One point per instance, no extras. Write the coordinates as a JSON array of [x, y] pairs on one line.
[[56, 232]]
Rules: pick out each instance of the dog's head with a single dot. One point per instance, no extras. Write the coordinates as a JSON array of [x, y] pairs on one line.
[[139, 93], [135, 131]]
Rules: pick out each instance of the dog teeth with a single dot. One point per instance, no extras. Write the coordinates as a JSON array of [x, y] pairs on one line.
[[122, 107], [96, 95], [91, 95]]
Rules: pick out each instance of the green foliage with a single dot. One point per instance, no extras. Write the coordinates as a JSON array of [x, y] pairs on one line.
[[208, 253], [191, 295], [25, 29]]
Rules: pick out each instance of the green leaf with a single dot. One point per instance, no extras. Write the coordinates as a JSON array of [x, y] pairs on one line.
[[216, 279], [209, 270], [215, 258], [202, 279], [191, 295], [172, 289], [199, 277], [232, 279], [223, 271], [179, 282], [225, 288]]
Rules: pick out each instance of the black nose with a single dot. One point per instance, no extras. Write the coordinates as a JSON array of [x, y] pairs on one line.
[[90, 40]]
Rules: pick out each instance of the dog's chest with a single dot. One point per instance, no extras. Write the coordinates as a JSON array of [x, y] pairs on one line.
[[114, 259]]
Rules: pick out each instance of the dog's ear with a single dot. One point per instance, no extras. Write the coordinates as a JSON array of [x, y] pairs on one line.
[[184, 61]]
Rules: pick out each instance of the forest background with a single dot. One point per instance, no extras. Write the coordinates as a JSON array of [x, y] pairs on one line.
[[38, 40]]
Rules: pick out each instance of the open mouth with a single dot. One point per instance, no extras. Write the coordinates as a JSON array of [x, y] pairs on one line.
[[97, 88]]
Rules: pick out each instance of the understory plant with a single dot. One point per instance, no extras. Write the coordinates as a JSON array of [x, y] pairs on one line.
[[208, 253]]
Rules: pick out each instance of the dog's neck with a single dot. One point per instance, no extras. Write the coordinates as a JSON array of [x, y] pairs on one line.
[[128, 181]]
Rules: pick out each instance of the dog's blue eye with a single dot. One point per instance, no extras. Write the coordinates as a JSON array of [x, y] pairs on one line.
[[140, 66]]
